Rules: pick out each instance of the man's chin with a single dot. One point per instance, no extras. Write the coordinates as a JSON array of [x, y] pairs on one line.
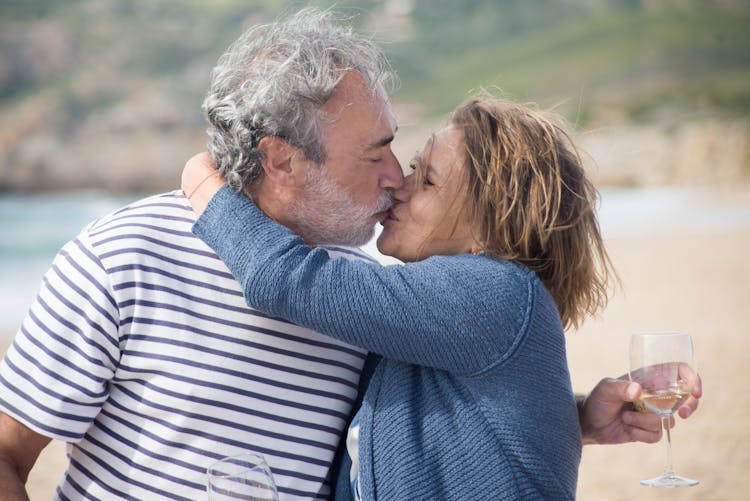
[[363, 239], [351, 239]]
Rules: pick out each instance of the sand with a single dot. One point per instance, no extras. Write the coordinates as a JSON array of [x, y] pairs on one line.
[[699, 282], [696, 281]]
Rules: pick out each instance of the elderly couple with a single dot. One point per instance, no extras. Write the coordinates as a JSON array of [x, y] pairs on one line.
[[161, 341]]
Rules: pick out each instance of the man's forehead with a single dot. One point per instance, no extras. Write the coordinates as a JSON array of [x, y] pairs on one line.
[[354, 101], [353, 88]]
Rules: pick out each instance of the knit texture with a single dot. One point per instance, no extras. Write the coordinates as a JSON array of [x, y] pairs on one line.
[[472, 398]]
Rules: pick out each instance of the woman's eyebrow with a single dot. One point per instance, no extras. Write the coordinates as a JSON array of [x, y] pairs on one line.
[[431, 172], [424, 168]]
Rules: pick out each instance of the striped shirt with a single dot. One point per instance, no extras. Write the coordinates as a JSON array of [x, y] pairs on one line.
[[140, 352]]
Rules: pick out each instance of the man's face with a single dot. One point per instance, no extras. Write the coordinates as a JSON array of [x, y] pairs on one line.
[[350, 192]]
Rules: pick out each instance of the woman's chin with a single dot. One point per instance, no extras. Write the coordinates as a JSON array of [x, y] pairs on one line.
[[385, 245]]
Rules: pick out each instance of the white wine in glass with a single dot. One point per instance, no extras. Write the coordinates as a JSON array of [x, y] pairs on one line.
[[664, 365], [246, 476]]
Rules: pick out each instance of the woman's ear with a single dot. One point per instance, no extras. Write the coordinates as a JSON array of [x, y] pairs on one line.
[[283, 163]]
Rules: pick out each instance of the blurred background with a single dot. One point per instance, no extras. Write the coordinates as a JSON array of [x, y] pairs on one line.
[[100, 105]]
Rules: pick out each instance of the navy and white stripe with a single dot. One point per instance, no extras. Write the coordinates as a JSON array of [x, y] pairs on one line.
[[141, 353]]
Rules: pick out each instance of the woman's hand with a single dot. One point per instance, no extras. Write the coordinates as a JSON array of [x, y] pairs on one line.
[[200, 181], [608, 417]]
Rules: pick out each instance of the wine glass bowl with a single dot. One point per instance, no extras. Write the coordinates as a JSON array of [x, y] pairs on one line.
[[664, 365], [245, 476], [664, 386]]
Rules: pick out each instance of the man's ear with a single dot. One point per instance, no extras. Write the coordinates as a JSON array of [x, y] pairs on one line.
[[283, 163]]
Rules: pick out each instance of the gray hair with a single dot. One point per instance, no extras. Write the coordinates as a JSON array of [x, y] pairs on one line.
[[274, 80]]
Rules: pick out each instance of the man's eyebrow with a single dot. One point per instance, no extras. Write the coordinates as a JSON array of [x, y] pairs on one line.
[[385, 141]]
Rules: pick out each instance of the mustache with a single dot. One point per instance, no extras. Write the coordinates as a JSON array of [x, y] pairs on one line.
[[385, 201]]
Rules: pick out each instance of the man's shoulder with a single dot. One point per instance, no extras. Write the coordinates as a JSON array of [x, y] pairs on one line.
[[159, 224], [165, 207]]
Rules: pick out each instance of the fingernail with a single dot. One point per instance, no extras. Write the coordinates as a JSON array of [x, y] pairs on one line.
[[632, 391]]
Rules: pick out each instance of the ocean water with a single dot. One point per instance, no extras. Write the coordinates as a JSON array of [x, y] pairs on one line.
[[33, 229]]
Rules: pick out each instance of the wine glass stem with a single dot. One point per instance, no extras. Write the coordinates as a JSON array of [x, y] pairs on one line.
[[665, 424]]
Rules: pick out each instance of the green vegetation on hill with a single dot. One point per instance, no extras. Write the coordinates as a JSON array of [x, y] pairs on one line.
[[637, 60], [96, 93], [583, 56]]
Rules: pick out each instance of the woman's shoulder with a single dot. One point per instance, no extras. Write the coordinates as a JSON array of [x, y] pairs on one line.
[[500, 300], [484, 280], [477, 266]]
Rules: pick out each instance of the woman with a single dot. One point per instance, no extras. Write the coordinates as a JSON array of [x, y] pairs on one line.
[[472, 398]]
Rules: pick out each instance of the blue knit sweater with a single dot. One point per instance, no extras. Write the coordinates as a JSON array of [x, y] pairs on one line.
[[472, 399]]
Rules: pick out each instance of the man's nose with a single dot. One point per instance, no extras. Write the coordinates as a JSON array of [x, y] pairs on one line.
[[392, 176]]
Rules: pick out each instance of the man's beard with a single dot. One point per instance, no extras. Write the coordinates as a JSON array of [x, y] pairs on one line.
[[326, 214]]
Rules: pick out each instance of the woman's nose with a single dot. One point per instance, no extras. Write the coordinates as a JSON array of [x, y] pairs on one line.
[[403, 194]]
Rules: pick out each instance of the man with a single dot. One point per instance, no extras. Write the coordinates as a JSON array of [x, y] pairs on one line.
[[139, 350]]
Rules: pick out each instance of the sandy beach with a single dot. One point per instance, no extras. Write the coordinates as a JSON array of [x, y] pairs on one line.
[[692, 280]]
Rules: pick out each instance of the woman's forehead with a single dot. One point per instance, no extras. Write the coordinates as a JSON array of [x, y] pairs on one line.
[[443, 149]]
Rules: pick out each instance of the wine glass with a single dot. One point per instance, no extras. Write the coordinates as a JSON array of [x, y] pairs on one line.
[[663, 364], [246, 476]]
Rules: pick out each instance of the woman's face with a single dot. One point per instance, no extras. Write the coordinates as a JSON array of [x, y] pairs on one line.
[[431, 214]]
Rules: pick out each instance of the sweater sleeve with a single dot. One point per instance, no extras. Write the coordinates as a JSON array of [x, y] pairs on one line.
[[445, 312]]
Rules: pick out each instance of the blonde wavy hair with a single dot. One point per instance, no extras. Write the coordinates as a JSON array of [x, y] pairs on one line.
[[533, 203]]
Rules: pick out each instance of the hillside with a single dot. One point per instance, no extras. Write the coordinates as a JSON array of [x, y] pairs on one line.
[[106, 93]]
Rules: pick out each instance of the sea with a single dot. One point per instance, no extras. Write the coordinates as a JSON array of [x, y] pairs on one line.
[[34, 227]]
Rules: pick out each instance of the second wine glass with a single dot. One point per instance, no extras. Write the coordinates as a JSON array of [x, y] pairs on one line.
[[243, 477], [664, 365]]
